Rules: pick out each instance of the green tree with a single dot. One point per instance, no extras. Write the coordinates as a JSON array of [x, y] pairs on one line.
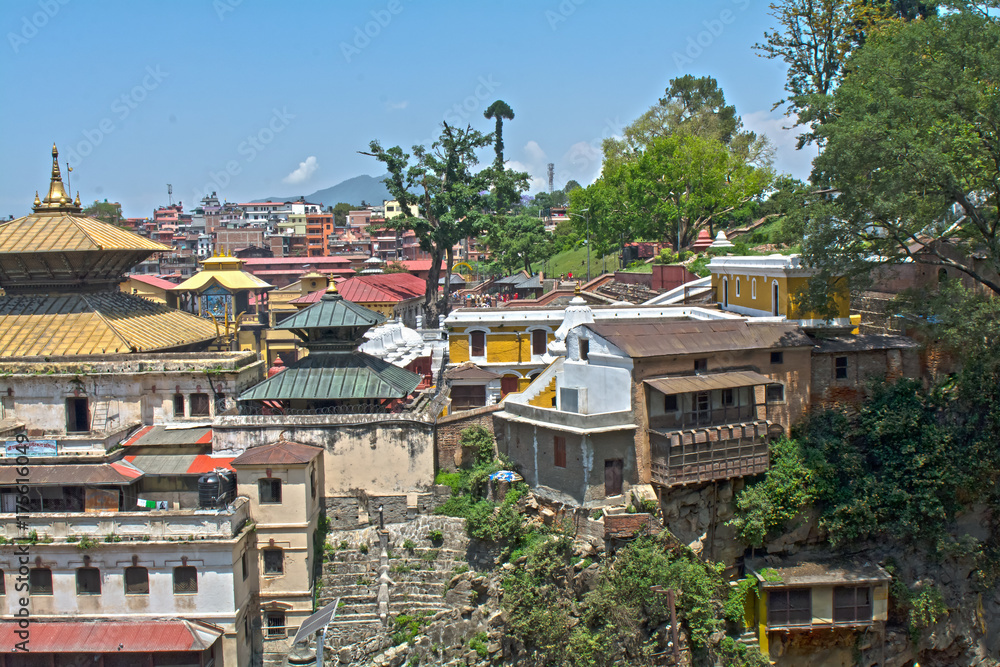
[[340, 212], [517, 242], [814, 38], [450, 197], [105, 211], [911, 151], [681, 183]]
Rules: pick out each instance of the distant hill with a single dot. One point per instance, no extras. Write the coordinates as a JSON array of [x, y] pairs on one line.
[[352, 191]]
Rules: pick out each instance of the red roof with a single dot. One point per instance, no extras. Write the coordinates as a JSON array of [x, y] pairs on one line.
[[285, 272], [153, 281], [127, 469], [205, 463], [256, 261], [110, 636], [418, 264], [392, 287]]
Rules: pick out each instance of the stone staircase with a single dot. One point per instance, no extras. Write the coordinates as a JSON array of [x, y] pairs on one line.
[[545, 396], [416, 582]]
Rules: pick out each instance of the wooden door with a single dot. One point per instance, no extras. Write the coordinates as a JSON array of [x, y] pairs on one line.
[[612, 477], [508, 384]]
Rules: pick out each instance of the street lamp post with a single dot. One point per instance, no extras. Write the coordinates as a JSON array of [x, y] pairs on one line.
[[587, 218]]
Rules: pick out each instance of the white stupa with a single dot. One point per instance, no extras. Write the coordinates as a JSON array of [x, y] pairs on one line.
[[721, 241]]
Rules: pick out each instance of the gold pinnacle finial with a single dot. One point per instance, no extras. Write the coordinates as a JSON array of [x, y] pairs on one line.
[[331, 288], [38, 202], [576, 290], [76, 202], [57, 199]]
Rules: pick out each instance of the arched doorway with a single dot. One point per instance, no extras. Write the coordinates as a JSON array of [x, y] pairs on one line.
[[774, 299], [725, 292]]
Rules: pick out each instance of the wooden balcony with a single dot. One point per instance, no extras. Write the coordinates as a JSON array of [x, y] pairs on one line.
[[707, 454]]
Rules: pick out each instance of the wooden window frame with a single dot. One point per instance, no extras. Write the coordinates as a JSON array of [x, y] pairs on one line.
[[135, 570], [36, 587], [793, 613], [188, 587], [473, 347], [270, 483], [559, 451], [93, 571], [852, 612]]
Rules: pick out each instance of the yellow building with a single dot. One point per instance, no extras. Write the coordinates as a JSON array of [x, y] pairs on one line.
[[769, 286], [798, 606], [284, 483], [394, 209]]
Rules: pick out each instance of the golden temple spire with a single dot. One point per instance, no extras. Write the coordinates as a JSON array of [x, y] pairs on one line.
[[57, 199], [38, 202], [332, 287]]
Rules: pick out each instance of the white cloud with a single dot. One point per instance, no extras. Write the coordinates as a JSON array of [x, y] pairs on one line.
[[778, 128], [534, 152], [304, 172], [396, 106], [537, 183]]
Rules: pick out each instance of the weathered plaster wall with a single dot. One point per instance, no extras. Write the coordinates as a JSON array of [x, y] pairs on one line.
[[379, 454]]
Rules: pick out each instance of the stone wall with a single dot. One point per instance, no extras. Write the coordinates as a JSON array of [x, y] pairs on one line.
[[876, 315], [361, 510], [377, 454], [448, 455]]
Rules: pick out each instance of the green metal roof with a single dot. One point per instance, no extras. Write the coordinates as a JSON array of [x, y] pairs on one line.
[[335, 376], [332, 310]]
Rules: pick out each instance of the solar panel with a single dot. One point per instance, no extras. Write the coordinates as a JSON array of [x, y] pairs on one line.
[[316, 622]]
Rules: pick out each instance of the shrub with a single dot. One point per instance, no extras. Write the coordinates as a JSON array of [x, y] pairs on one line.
[[363, 548], [478, 644], [409, 545], [435, 536]]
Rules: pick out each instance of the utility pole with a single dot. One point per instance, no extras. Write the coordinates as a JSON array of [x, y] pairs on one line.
[[587, 218], [672, 603]]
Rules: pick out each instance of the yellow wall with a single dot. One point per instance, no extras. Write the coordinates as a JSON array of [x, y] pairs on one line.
[[787, 289], [504, 345], [382, 307], [544, 397]]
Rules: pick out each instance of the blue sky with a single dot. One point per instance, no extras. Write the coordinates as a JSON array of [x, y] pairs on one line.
[[254, 98]]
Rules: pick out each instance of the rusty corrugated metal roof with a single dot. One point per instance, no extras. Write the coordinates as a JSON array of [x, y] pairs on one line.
[[95, 323], [112, 636], [691, 383], [61, 232], [284, 452], [335, 376], [73, 474], [161, 435], [470, 371], [644, 338]]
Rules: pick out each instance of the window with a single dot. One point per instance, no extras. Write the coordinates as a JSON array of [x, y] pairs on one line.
[[477, 343], [185, 579], [178, 405], [777, 357], [774, 299], [737, 286], [774, 393], [791, 606], [559, 448], [613, 477], [3, 585], [136, 581], [274, 561], [199, 405], [728, 397], [246, 626], [269, 490], [40, 581], [312, 482], [584, 349], [538, 342], [670, 403], [753, 288], [725, 292], [88, 581], [840, 368], [275, 624], [852, 604], [77, 415], [465, 397], [700, 365], [243, 564]]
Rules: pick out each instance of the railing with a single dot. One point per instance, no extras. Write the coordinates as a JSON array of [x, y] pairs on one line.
[[703, 418], [723, 452], [110, 527]]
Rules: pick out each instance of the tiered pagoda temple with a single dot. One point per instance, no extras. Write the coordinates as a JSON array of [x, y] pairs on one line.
[[60, 273], [335, 376]]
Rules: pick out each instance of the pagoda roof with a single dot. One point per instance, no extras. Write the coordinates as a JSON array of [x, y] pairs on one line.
[[60, 231], [230, 277], [94, 323], [332, 310], [327, 376]]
